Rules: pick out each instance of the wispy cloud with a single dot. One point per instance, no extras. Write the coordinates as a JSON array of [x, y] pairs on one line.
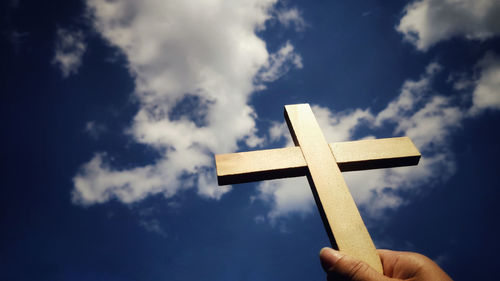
[[291, 17], [280, 63], [427, 22], [153, 225], [70, 47]]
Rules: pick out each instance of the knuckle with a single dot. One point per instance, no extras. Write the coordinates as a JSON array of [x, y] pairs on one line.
[[357, 270]]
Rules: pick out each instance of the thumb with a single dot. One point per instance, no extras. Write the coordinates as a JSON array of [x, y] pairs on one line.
[[339, 266]]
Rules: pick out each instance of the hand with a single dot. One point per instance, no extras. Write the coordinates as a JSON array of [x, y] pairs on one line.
[[397, 266]]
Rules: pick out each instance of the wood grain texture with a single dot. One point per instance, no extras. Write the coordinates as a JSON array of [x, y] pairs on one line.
[[233, 168], [341, 217]]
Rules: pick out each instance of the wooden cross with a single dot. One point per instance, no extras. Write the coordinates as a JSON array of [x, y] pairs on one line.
[[322, 163]]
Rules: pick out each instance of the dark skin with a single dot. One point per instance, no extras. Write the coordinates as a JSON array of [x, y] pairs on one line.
[[397, 266]]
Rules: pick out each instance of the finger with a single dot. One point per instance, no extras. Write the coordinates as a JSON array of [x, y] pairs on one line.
[[389, 260], [405, 265], [342, 267]]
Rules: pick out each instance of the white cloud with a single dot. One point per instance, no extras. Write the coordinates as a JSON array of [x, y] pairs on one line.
[[340, 126], [487, 88], [287, 196], [98, 182], [194, 66], [207, 60], [428, 119], [70, 47], [427, 22], [411, 93], [277, 131], [280, 63], [289, 17]]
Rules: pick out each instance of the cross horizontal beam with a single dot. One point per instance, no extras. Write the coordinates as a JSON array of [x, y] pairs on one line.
[[233, 168]]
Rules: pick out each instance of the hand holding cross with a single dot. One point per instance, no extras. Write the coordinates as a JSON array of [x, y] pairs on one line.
[[322, 164]]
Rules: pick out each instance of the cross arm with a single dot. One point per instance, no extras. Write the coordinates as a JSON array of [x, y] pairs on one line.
[[286, 162]]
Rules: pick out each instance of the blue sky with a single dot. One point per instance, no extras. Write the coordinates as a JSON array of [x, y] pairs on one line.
[[112, 112]]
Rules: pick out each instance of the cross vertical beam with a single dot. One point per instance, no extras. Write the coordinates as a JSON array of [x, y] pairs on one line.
[[341, 218], [322, 164]]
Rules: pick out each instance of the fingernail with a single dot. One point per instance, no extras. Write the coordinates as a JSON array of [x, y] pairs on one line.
[[329, 257]]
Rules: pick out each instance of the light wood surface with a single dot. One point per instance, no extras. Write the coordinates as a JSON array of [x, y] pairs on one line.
[[375, 154], [341, 217], [322, 163], [260, 165], [233, 168]]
